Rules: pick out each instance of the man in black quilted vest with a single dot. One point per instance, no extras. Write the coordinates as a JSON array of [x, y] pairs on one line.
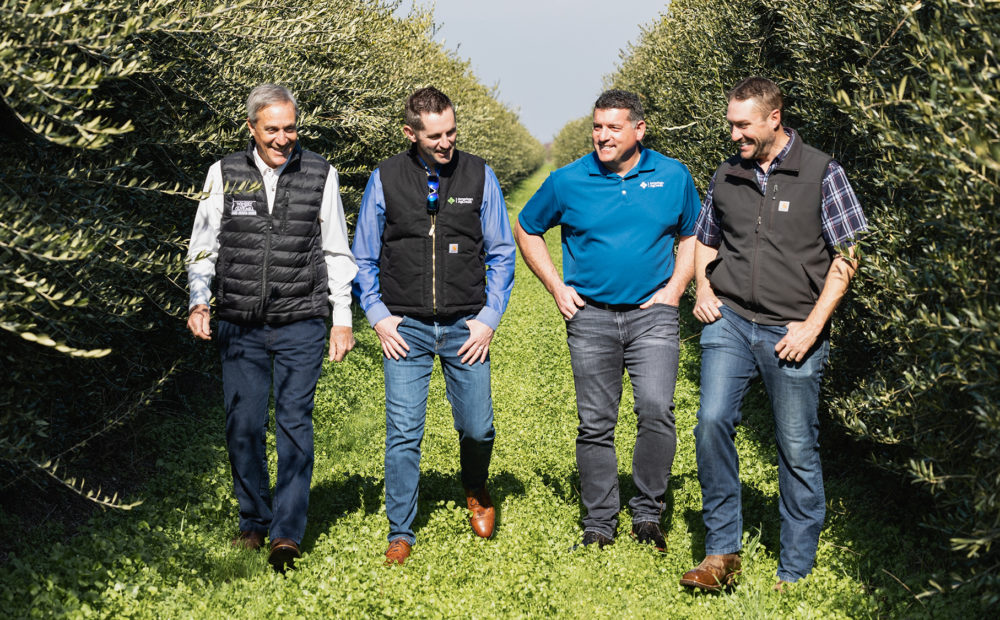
[[435, 270], [773, 258], [271, 233]]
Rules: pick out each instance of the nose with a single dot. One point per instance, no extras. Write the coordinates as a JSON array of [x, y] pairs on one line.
[[603, 134], [735, 133]]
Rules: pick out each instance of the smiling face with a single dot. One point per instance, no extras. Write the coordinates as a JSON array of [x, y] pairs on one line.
[[754, 130], [436, 139], [275, 133], [616, 139]]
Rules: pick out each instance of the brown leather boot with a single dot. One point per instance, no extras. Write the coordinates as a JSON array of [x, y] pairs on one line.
[[714, 573], [283, 553], [483, 514], [248, 540], [397, 552]]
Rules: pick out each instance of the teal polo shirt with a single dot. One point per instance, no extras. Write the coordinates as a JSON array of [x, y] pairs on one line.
[[617, 232]]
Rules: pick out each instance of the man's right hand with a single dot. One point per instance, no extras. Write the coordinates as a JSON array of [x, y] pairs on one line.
[[198, 322], [393, 344], [706, 305], [568, 300]]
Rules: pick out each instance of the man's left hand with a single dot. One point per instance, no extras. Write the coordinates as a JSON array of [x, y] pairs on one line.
[[662, 296], [341, 341], [797, 342], [477, 347]]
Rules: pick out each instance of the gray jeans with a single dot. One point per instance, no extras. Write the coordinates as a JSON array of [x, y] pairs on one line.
[[603, 343]]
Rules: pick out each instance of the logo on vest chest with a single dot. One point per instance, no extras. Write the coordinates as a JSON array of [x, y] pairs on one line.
[[453, 248], [244, 207], [462, 201]]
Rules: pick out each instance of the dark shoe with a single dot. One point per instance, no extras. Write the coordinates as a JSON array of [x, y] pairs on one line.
[[397, 552], [483, 514], [714, 573], [591, 537], [248, 540], [649, 533], [283, 554]]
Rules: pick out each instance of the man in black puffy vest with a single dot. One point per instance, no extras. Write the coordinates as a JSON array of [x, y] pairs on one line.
[[271, 233], [435, 270], [774, 256]]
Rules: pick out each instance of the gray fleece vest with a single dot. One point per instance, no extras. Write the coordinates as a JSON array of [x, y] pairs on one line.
[[773, 260]]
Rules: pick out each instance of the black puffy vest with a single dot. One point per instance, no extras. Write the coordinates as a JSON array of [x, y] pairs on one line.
[[440, 274], [773, 259], [270, 268]]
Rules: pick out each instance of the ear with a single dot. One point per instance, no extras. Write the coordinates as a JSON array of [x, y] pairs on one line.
[[411, 135], [640, 130], [774, 119], [250, 126]]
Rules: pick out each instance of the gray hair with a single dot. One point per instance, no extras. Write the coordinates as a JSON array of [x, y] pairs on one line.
[[269, 94], [621, 100]]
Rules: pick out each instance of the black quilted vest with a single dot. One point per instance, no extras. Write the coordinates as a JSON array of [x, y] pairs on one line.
[[270, 268], [773, 260], [440, 274]]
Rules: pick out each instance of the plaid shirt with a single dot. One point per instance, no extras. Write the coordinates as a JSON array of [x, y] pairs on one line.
[[842, 217]]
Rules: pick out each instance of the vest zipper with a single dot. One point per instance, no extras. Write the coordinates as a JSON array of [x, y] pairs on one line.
[[267, 260], [433, 233]]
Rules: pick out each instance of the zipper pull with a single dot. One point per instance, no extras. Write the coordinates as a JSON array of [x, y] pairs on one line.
[[430, 233]]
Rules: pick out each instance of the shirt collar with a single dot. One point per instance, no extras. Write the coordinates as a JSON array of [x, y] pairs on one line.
[[645, 164], [780, 157]]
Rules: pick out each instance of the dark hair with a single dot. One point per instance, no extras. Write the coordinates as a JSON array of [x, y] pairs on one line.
[[427, 100], [765, 93], [621, 100], [268, 94]]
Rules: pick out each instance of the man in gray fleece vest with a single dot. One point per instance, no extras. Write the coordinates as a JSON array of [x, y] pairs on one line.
[[773, 258]]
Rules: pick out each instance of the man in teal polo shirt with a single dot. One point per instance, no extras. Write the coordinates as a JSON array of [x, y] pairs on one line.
[[620, 209]]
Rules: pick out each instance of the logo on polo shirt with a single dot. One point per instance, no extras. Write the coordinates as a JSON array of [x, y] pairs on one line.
[[244, 207], [462, 201], [651, 184]]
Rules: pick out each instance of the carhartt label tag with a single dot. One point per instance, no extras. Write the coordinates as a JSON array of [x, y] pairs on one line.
[[244, 207], [783, 206], [453, 248]]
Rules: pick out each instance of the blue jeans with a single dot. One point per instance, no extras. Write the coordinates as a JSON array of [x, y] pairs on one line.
[[292, 356], [733, 352], [407, 381], [602, 344]]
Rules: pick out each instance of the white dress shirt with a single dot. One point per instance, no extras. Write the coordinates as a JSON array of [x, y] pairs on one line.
[[340, 265]]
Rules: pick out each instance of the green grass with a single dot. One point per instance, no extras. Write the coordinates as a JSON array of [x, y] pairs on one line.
[[170, 557]]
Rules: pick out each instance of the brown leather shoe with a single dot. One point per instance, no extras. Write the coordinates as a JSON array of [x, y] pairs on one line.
[[714, 573], [283, 554], [483, 514], [397, 552], [248, 540]]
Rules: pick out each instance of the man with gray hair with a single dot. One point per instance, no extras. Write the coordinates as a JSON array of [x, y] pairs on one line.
[[270, 230], [620, 210]]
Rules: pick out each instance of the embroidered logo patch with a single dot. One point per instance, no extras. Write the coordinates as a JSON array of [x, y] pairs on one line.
[[462, 201], [651, 184], [783, 206], [244, 207], [453, 248]]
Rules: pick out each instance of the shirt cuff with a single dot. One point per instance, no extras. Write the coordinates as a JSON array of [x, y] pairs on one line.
[[490, 317], [376, 313], [342, 316]]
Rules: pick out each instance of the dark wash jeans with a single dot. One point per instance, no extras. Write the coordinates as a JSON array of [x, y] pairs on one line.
[[603, 344], [292, 356], [733, 352]]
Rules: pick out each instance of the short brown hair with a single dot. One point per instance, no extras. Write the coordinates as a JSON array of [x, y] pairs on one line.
[[427, 100], [767, 94]]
